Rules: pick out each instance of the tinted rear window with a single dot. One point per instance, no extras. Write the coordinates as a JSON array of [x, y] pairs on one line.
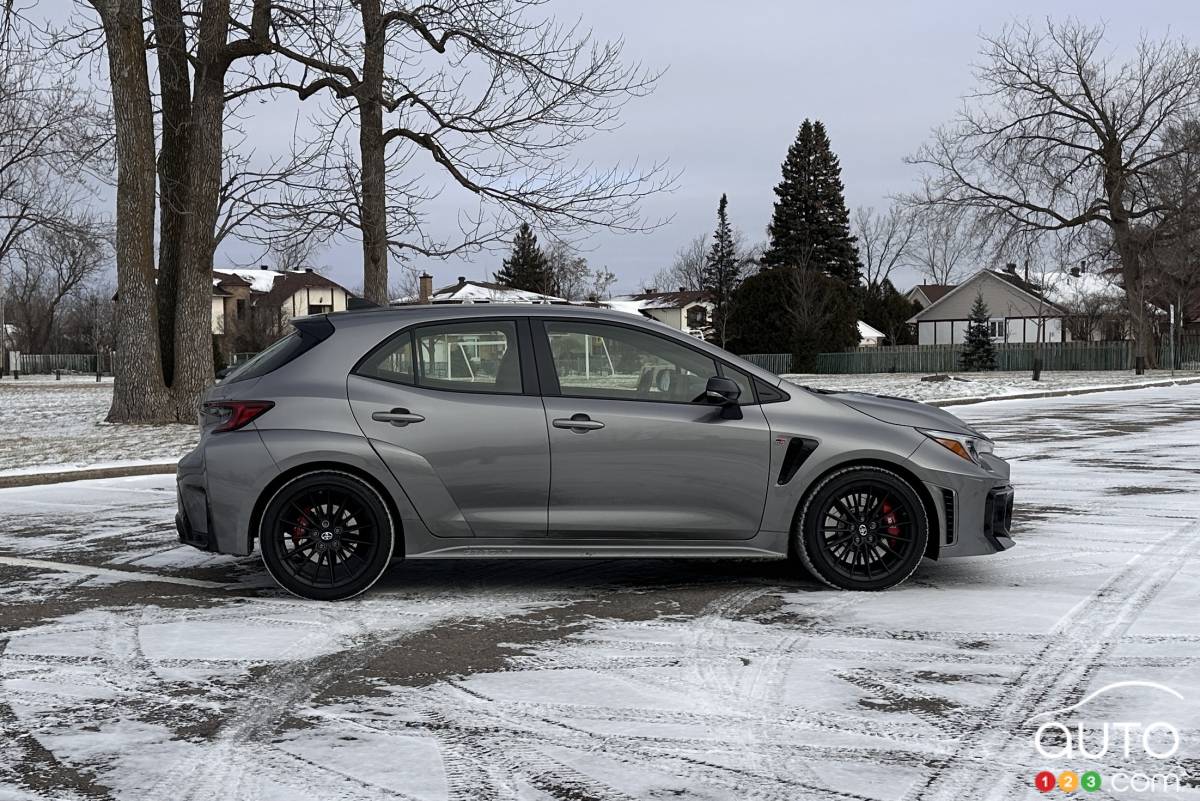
[[307, 335]]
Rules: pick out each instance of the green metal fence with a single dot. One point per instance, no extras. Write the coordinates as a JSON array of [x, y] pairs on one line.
[[946, 358]]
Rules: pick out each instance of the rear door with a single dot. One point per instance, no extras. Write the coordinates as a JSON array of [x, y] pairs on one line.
[[452, 409], [634, 450]]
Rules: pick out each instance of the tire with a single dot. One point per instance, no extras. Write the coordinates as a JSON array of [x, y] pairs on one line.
[[326, 536], [862, 528]]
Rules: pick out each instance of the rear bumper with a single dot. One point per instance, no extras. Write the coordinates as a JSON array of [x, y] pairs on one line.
[[216, 487]]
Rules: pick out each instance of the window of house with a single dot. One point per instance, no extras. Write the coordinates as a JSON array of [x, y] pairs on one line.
[[996, 329], [594, 360], [697, 317], [474, 357], [319, 309]]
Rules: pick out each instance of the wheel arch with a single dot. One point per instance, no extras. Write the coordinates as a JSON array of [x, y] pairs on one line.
[[933, 543], [264, 497]]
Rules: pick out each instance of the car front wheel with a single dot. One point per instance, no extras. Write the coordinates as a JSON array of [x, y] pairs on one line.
[[326, 535], [862, 528]]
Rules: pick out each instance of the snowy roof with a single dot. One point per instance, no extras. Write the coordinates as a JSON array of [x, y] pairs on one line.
[[1065, 288], [481, 292], [867, 332], [659, 300], [260, 279]]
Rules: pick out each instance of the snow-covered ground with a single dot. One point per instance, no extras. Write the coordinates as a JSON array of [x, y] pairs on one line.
[[189, 677], [978, 385], [48, 425]]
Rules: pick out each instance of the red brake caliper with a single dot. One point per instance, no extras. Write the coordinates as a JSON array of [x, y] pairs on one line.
[[298, 530], [889, 519]]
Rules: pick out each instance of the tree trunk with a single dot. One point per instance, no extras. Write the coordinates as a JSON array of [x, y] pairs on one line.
[[139, 394], [1130, 250], [173, 74], [193, 372], [371, 154]]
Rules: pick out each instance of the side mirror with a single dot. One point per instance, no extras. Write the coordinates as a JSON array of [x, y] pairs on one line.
[[722, 391], [224, 371]]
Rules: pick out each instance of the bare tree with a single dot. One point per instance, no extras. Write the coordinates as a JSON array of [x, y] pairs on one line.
[[46, 268], [491, 93], [1061, 135], [687, 271], [884, 240], [944, 244]]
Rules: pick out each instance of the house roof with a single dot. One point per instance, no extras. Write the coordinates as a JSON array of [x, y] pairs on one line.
[[276, 284], [1028, 289], [661, 300], [932, 292], [868, 332], [465, 291]]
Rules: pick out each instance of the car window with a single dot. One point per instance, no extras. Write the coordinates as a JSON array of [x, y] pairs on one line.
[[473, 357], [393, 361], [595, 360]]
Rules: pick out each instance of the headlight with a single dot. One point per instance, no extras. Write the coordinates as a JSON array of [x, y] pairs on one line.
[[963, 445]]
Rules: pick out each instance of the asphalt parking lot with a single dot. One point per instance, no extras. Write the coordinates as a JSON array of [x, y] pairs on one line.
[[134, 668]]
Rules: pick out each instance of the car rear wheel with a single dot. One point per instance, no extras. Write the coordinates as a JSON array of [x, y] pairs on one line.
[[862, 528], [326, 535]]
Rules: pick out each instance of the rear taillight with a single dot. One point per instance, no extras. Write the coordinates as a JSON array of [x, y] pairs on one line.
[[235, 414]]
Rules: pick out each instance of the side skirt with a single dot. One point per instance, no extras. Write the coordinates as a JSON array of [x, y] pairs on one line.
[[765, 545]]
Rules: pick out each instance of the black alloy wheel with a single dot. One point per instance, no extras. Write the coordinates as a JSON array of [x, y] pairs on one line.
[[326, 535], [862, 528]]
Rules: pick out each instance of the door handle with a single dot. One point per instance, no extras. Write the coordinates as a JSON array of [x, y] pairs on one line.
[[397, 417], [578, 423]]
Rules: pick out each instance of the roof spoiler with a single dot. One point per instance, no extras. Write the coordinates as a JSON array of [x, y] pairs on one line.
[[358, 304]]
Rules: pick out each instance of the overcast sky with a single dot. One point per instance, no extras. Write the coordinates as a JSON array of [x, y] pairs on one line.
[[740, 77]]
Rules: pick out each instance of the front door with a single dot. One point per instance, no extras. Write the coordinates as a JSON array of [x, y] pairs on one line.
[[445, 407], [634, 449]]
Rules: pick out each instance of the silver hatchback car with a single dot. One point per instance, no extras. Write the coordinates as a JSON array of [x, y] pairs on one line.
[[453, 431]]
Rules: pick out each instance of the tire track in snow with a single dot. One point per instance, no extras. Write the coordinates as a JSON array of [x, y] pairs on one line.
[[1058, 673]]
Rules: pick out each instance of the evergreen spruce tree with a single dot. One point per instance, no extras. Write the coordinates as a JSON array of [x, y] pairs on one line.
[[722, 272], [810, 226], [526, 267], [978, 351]]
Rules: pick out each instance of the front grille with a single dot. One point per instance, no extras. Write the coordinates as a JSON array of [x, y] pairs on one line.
[[948, 503], [997, 512]]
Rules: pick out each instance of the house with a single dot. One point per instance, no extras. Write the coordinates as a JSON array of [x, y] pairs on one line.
[[1019, 310], [685, 310], [927, 294], [250, 307], [465, 291], [868, 336]]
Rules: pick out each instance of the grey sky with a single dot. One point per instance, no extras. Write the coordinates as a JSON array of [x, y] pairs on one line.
[[740, 78]]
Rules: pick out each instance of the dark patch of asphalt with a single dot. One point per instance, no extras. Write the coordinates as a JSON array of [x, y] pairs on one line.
[[86, 474]]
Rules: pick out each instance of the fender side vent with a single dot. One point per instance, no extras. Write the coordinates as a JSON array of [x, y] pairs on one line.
[[798, 451], [948, 504]]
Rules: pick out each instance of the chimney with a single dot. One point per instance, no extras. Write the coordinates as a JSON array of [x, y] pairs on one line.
[[425, 288], [683, 289], [308, 269], [263, 267], [1075, 272], [1011, 267]]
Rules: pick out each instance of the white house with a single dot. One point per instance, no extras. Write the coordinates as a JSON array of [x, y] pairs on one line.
[[1019, 311], [869, 336], [685, 310], [249, 305]]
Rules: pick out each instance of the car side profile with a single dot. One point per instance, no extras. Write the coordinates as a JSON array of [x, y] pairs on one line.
[[457, 431]]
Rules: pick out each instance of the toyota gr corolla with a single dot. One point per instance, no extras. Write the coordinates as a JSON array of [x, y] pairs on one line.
[[552, 431]]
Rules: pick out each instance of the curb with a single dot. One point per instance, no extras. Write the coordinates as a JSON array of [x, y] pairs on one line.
[[1062, 393], [86, 474]]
